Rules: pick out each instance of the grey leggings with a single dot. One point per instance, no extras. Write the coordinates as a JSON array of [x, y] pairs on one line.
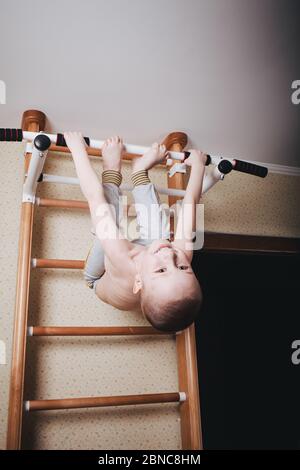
[[152, 221]]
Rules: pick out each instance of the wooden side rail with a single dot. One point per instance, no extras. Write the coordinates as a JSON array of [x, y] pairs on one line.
[[93, 331], [92, 402], [34, 121], [191, 433], [191, 430]]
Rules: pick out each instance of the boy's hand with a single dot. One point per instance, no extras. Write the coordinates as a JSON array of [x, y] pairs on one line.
[[75, 141], [196, 158], [155, 155], [112, 151]]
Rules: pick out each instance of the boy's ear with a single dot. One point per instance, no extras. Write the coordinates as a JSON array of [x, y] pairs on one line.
[[137, 285]]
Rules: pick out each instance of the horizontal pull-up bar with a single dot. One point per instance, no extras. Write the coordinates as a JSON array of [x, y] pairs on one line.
[[93, 331], [18, 135], [58, 140], [92, 402]]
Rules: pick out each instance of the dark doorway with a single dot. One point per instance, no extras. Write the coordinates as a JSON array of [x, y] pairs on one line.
[[249, 388]]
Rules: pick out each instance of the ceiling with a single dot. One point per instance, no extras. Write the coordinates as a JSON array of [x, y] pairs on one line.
[[220, 70]]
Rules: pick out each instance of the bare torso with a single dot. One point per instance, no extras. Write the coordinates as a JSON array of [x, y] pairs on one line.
[[116, 285]]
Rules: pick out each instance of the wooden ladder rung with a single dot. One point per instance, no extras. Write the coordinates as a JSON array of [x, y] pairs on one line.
[[93, 331], [98, 153], [90, 402], [92, 152], [129, 209], [57, 263], [63, 203]]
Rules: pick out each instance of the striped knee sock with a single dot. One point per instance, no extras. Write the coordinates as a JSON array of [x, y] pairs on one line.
[[112, 176], [140, 177]]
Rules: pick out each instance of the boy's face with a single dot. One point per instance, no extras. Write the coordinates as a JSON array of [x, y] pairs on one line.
[[166, 270]]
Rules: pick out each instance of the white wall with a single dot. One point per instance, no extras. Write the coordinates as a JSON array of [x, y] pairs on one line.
[[221, 70]]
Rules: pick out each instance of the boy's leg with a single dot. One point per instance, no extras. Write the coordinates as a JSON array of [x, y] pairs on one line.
[[94, 264], [152, 216]]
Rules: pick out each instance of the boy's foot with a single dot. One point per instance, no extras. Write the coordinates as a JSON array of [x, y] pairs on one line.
[[156, 154], [112, 150]]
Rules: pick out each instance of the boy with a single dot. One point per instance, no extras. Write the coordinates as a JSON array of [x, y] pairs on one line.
[[151, 274]]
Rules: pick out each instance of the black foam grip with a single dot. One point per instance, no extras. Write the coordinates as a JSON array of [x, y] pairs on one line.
[[60, 140], [250, 168], [11, 135]]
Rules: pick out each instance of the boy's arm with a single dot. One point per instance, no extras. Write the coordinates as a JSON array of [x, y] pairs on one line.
[[88, 179], [186, 224], [103, 217]]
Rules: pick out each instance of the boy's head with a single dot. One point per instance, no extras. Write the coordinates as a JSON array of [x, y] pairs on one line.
[[171, 296]]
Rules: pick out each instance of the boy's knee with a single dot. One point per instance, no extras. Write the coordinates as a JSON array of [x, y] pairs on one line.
[[89, 280]]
